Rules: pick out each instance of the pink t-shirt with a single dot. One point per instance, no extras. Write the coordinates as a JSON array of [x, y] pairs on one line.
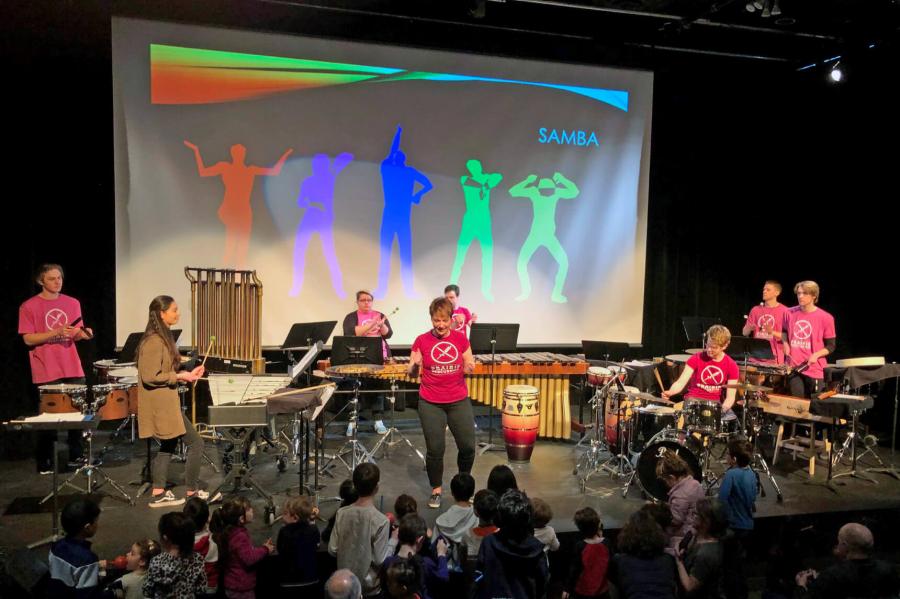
[[763, 317], [709, 377], [464, 326], [364, 318], [807, 332], [443, 379], [57, 358]]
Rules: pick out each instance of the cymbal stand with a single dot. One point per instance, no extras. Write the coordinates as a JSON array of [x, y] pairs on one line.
[[758, 462], [873, 447], [590, 461], [850, 441], [393, 436]]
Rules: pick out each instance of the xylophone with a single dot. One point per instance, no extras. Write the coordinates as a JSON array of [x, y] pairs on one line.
[[549, 372]]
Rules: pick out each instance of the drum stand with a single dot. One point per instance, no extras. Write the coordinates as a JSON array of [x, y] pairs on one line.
[[591, 459], [758, 462], [873, 447], [240, 473], [89, 470], [850, 442], [358, 452], [620, 465], [393, 436]]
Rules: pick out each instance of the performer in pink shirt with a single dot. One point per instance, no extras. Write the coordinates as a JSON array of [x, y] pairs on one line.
[[766, 319], [809, 336], [444, 357], [707, 373], [462, 318], [50, 324]]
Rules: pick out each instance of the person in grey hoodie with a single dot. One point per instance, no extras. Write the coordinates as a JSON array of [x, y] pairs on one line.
[[511, 562], [453, 524]]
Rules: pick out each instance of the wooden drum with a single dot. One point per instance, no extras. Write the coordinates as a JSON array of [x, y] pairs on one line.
[[61, 398], [521, 420]]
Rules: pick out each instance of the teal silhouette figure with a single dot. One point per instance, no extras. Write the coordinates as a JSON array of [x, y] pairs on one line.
[[544, 198], [476, 224], [317, 196], [399, 183]]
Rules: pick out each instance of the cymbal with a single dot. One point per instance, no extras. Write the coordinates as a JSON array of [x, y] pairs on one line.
[[693, 350], [642, 395], [749, 387]]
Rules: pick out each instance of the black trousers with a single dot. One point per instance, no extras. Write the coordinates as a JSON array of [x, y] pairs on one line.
[[436, 418], [801, 385]]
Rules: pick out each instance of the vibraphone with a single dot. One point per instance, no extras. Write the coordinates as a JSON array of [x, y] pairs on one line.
[[548, 372]]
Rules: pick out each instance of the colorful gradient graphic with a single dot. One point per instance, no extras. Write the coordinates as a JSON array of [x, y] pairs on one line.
[[181, 75]]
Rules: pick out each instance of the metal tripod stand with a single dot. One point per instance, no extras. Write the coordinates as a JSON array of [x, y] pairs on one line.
[[358, 453], [393, 436]]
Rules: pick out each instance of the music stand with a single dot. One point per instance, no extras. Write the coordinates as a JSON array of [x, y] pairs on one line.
[[129, 349], [493, 337], [304, 334], [356, 350], [695, 327], [604, 350], [750, 347]]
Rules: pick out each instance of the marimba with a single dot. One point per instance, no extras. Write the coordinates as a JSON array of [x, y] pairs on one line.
[[549, 372]]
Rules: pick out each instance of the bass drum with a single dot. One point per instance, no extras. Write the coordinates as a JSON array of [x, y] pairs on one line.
[[646, 467]]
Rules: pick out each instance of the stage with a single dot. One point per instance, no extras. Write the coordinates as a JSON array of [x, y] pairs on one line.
[[549, 476]]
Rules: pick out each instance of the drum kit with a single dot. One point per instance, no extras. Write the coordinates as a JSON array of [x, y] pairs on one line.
[[632, 430]]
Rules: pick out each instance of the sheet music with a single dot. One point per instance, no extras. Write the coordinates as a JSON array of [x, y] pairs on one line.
[[307, 359], [58, 417], [244, 388]]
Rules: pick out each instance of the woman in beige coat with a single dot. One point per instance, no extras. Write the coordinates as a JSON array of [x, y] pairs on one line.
[[159, 409]]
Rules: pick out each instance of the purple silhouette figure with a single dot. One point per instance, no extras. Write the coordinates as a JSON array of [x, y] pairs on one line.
[[317, 196]]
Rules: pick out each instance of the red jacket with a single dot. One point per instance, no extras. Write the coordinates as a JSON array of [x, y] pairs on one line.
[[240, 568], [212, 568]]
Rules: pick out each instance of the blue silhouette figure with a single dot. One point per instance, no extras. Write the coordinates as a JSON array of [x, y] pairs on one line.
[[399, 183], [317, 196]]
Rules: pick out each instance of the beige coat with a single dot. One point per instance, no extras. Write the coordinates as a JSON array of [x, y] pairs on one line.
[[159, 409]]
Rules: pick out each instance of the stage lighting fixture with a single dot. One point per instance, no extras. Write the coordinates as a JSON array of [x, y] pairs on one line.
[[836, 75]]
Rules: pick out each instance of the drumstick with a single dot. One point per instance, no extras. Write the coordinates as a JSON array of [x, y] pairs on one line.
[[212, 339], [659, 380]]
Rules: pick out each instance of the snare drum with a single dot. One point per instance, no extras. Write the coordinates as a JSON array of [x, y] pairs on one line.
[[127, 376], [521, 420], [62, 397], [102, 368], [702, 416], [111, 400], [648, 422], [598, 376]]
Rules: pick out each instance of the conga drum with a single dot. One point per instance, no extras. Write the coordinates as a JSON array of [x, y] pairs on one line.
[[521, 418]]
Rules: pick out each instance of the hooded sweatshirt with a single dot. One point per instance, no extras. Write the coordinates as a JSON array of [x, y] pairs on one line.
[[511, 569], [454, 523]]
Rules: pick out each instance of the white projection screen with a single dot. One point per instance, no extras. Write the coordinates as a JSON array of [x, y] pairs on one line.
[[329, 167]]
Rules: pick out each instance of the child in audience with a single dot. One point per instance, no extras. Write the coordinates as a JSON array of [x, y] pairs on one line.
[[590, 560], [198, 511], [238, 558], [74, 568], [347, 493], [501, 479], [130, 586], [485, 507], [298, 541], [411, 537], [459, 518], [403, 579], [543, 532], [684, 493], [177, 572]]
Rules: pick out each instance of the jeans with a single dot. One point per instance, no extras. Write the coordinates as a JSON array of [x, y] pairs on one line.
[[194, 456]]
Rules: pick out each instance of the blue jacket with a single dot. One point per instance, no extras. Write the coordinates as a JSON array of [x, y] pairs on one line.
[[74, 569], [738, 494]]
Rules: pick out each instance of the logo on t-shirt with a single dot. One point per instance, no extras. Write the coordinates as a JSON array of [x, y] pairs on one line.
[[763, 324], [459, 321], [444, 352], [711, 378], [56, 318], [802, 334]]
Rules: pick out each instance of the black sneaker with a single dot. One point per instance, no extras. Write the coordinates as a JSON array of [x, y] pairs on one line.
[[434, 501]]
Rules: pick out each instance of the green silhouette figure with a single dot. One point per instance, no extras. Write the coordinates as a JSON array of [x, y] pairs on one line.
[[543, 198], [476, 224]]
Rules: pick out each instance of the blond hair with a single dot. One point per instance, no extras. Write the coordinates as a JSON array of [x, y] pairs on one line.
[[809, 287], [719, 335], [300, 507]]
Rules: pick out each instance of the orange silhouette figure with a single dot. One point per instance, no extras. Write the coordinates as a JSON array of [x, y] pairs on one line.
[[235, 211]]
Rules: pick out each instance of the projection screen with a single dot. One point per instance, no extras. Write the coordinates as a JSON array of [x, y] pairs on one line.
[[329, 167]]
